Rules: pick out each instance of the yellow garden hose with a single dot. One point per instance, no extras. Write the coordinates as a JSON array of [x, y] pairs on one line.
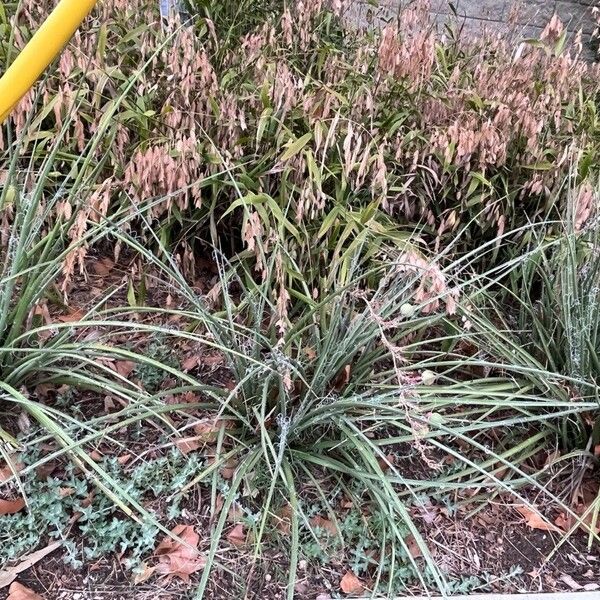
[[43, 48]]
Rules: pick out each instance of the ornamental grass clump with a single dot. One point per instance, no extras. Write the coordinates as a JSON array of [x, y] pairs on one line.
[[334, 130]]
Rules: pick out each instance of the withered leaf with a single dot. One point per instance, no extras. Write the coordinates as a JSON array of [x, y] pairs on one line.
[[323, 523], [191, 362], [342, 379], [187, 445], [208, 429], [9, 470], [20, 592], [351, 584], [413, 547], [535, 520], [565, 578], [237, 536], [143, 574], [72, 317], [177, 559], [95, 456], [103, 266], [10, 507], [228, 469], [125, 367], [565, 522], [283, 519], [9, 574]]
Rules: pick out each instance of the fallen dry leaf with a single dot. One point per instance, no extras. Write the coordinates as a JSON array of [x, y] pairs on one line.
[[191, 362], [187, 445], [124, 459], [342, 379], [386, 462], [143, 574], [20, 592], [351, 584], [228, 469], [109, 404], [301, 588], [323, 523], [413, 547], [208, 429], [10, 507], [567, 579], [177, 559], [24, 422], [284, 519], [8, 471], [310, 353], [46, 469], [566, 522], [103, 266], [213, 360], [8, 575], [237, 536], [535, 520], [124, 367], [72, 317], [563, 521], [552, 458], [65, 492], [235, 514], [96, 456]]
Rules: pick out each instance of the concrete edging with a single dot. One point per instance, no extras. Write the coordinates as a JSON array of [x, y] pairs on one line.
[[546, 596]]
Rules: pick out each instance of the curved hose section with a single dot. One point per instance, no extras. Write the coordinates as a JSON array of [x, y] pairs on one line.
[[43, 48]]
